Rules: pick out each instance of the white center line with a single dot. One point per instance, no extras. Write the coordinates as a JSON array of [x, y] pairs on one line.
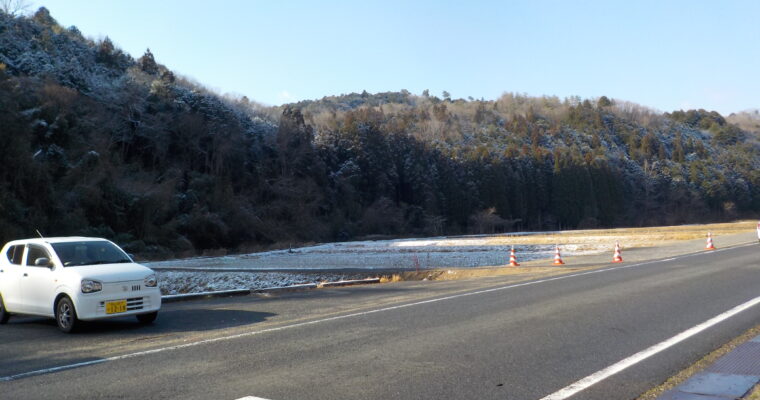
[[340, 317], [251, 398], [599, 376]]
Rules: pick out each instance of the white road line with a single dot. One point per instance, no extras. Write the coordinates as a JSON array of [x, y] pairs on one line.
[[251, 398], [599, 376], [340, 317]]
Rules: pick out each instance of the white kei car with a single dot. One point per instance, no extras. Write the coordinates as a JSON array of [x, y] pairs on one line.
[[75, 278]]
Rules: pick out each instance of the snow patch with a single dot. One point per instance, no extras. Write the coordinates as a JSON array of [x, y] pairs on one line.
[[180, 282], [344, 260]]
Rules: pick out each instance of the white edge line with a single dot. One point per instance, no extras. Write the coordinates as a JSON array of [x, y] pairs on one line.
[[358, 314], [596, 377], [251, 398]]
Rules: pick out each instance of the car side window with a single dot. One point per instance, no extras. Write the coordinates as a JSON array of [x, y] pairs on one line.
[[15, 254], [34, 253]]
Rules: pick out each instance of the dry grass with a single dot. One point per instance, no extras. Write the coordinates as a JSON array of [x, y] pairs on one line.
[[392, 278], [454, 274], [630, 237], [517, 273], [754, 394]]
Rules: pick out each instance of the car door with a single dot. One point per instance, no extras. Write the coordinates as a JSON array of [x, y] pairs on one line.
[[37, 282], [10, 276]]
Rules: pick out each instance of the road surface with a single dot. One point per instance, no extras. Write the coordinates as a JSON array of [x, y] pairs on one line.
[[475, 339]]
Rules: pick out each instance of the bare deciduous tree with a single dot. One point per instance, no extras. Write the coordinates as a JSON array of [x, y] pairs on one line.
[[14, 7]]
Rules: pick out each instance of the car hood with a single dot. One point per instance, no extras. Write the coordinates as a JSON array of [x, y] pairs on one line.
[[110, 273]]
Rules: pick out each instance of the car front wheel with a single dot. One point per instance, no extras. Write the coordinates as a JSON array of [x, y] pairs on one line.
[[147, 318], [4, 315], [66, 315]]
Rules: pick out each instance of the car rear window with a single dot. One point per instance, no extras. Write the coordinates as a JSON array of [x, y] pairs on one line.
[[15, 253]]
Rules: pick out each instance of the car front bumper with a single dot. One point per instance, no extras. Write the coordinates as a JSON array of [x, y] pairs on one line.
[[140, 300]]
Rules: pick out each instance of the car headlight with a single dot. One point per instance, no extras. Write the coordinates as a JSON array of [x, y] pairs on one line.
[[89, 286], [150, 280]]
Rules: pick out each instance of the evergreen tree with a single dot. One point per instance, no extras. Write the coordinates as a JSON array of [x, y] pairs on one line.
[[147, 63], [603, 102]]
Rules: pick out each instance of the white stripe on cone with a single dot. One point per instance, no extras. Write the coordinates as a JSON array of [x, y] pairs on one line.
[[557, 257], [513, 259], [709, 245], [617, 257]]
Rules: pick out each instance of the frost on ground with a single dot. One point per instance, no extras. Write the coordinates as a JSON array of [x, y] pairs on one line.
[[363, 259], [339, 261], [177, 282], [460, 252]]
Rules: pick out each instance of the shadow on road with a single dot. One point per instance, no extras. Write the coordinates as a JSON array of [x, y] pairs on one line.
[[183, 320], [168, 321], [31, 343]]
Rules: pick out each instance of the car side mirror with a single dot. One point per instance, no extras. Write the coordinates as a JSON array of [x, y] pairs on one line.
[[43, 262]]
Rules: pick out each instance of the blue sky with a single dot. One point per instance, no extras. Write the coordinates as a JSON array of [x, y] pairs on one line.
[[667, 55]]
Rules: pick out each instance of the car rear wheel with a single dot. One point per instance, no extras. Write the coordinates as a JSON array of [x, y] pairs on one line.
[[147, 318], [4, 315], [66, 315]]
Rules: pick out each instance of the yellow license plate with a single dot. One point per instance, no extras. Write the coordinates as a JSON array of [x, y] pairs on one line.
[[115, 307]]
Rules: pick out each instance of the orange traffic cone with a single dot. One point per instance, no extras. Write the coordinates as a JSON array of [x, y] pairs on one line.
[[709, 245], [617, 258], [513, 259], [557, 258]]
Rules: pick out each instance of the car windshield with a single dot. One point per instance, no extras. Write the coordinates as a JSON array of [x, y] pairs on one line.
[[91, 252]]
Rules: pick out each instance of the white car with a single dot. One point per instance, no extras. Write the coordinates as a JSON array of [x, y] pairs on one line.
[[75, 278]]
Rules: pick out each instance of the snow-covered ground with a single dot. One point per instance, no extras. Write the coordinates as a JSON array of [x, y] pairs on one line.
[[177, 282], [459, 252], [345, 260]]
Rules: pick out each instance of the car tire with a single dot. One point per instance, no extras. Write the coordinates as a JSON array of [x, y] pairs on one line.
[[4, 314], [147, 318], [66, 315]]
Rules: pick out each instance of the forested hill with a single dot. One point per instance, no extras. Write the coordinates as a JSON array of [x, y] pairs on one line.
[[94, 142]]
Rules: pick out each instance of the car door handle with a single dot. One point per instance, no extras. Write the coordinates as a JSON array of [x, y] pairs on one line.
[[25, 274]]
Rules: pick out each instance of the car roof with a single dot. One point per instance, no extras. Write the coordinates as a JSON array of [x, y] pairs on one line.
[[52, 240]]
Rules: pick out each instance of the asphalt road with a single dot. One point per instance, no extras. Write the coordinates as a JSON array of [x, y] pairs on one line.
[[474, 339]]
